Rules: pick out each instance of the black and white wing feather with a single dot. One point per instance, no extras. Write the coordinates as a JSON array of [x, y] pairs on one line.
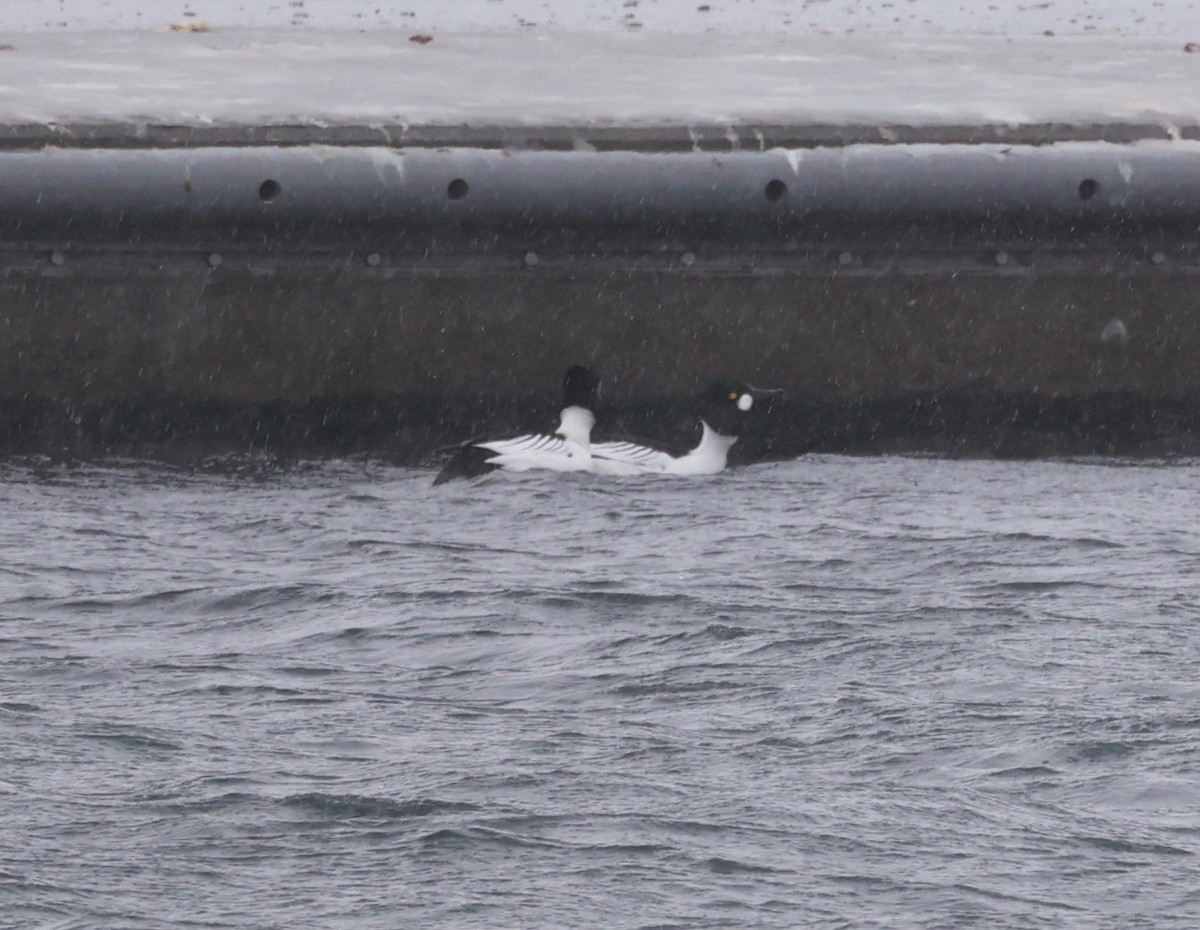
[[628, 458], [535, 444]]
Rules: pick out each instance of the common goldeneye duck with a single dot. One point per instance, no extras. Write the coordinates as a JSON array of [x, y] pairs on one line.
[[724, 409], [566, 449]]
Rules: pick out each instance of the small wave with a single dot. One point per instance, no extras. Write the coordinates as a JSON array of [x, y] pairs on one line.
[[706, 686], [584, 594], [722, 632], [19, 707], [1024, 771], [690, 827], [364, 807], [190, 667], [1035, 587], [1101, 751], [839, 589], [1001, 896], [442, 545], [784, 742], [306, 671], [788, 646], [205, 601], [282, 695], [271, 596], [430, 593], [220, 802], [226, 690], [380, 546], [350, 633], [129, 738], [723, 866], [1130, 846], [1086, 542], [473, 633], [106, 533], [625, 849], [473, 836]]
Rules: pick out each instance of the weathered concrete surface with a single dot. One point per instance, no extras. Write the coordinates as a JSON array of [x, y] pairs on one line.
[[253, 332], [355, 358]]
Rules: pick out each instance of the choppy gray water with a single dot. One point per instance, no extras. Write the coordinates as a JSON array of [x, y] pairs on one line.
[[832, 693]]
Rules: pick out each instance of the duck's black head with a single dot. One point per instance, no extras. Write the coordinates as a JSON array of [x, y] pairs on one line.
[[581, 387], [727, 406]]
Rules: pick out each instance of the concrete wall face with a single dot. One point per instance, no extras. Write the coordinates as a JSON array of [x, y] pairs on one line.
[[246, 355], [250, 336]]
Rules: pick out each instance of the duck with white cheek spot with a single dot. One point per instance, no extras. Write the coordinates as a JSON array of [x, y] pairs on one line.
[[723, 412]]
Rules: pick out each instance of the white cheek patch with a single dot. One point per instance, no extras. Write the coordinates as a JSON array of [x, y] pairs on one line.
[[745, 402]]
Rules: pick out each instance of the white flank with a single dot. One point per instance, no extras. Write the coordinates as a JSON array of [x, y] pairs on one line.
[[566, 450], [626, 458]]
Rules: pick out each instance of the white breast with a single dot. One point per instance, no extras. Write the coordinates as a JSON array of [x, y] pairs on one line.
[[708, 458], [626, 458]]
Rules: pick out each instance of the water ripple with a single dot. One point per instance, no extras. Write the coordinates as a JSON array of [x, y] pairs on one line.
[[834, 692]]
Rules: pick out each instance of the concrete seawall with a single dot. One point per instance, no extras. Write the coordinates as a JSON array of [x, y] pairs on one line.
[[981, 287]]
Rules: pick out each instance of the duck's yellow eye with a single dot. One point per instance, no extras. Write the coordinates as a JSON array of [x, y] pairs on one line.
[[733, 395]]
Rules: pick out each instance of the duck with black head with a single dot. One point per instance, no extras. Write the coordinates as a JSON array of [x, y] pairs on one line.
[[568, 448], [723, 412]]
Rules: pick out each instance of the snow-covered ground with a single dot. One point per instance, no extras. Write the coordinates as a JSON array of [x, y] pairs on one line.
[[621, 63], [544, 78], [1011, 18]]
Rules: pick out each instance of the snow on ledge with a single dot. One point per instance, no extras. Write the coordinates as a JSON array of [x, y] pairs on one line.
[[543, 78]]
